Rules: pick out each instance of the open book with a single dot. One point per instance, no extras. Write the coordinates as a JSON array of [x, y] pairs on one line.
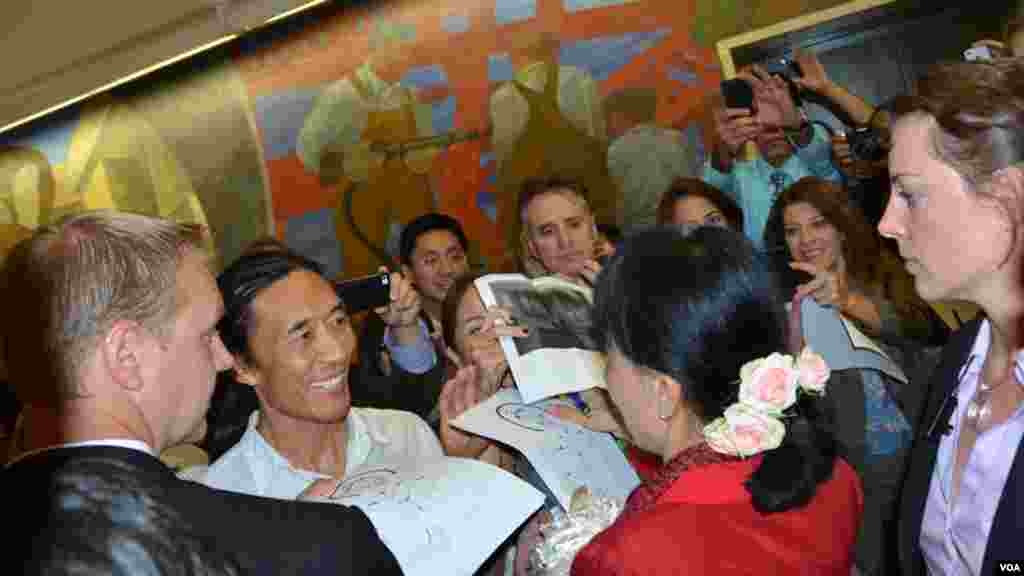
[[565, 456], [560, 354], [426, 512]]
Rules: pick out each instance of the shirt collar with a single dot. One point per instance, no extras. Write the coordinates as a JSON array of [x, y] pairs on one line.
[[129, 443], [361, 440], [976, 359]]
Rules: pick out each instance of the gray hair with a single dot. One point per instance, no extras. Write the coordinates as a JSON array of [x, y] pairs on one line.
[[68, 283]]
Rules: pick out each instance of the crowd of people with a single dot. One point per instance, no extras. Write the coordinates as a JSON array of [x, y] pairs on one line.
[[755, 456]]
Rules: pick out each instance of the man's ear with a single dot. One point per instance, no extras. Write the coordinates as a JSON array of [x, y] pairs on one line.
[[123, 351], [407, 271], [527, 243]]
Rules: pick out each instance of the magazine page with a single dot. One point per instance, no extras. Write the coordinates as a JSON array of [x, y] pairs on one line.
[[560, 354], [565, 456], [443, 516], [841, 344]]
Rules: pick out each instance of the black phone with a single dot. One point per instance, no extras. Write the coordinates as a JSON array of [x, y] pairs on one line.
[[738, 93], [364, 293]]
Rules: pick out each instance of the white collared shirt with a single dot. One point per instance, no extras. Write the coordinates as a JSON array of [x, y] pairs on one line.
[[375, 438], [955, 532]]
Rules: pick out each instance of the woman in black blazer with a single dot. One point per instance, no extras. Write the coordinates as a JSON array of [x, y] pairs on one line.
[[957, 165]]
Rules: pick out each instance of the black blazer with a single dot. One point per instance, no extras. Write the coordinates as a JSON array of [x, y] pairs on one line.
[[1006, 538], [265, 536]]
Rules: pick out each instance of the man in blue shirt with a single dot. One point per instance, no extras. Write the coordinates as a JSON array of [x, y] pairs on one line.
[[790, 148]]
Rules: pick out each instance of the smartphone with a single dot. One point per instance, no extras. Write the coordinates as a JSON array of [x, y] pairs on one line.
[[365, 293], [977, 53], [738, 93]]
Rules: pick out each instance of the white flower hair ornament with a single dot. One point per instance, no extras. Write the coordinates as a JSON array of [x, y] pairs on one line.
[[768, 387]]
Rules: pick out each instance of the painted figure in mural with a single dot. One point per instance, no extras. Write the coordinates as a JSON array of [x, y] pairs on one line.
[[141, 153], [548, 121], [346, 139], [644, 158], [27, 190]]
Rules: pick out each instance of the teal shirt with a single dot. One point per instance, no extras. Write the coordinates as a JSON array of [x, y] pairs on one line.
[[754, 184]]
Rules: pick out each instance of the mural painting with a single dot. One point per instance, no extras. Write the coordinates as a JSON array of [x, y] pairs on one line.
[[334, 132]]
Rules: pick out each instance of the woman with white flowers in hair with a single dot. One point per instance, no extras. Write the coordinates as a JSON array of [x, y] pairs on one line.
[[750, 481]]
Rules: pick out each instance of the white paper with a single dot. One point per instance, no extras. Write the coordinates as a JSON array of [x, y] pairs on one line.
[[443, 516], [559, 355], [841, 344], [565, 456]]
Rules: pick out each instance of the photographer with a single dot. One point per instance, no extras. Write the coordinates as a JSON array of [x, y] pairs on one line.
[[790, 147], [860, 153]]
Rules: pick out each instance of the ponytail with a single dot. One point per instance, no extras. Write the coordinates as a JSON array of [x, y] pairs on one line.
[[789, 475]]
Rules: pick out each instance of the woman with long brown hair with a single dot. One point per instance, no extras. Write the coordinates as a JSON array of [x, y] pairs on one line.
[[845, 265]]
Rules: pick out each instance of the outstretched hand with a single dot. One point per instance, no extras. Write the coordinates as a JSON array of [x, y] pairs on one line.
[[403, 310], [458, 395], [814, 78], [775, 106], [829, 288]]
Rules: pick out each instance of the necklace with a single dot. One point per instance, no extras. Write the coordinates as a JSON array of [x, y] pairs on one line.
[[979, 409]]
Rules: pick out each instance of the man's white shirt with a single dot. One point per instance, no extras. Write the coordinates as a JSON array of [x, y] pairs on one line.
[[375, 438]]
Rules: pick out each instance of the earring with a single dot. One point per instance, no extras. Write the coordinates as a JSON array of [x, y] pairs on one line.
[[663, 418]]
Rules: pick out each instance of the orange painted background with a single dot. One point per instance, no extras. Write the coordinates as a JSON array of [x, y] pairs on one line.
[[296, 134]]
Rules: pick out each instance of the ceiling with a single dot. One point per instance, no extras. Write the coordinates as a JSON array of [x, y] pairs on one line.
[[55, 51]]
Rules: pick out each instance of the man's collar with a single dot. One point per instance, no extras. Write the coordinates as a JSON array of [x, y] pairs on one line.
[[128, 443]]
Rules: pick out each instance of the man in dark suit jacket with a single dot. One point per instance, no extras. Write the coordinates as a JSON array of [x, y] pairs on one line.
[[112, 345], [1006, 536]]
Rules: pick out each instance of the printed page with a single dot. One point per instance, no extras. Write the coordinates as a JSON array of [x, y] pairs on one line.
[[560, 354], [841, 344], [444, 516], [566, 456]]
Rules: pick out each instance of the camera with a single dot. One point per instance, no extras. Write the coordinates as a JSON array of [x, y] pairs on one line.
[[361, 294], [866, 144], [738, 93]]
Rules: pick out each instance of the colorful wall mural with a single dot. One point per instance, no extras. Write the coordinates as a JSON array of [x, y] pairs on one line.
[[332, 133]]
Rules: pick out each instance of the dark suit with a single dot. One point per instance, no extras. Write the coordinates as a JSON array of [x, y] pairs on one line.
[[1006, 537], [266, 536]]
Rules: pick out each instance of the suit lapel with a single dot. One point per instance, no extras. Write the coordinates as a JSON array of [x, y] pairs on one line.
[[927, 435]]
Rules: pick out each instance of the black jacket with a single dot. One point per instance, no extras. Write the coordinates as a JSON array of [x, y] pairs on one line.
[[265, 536]]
